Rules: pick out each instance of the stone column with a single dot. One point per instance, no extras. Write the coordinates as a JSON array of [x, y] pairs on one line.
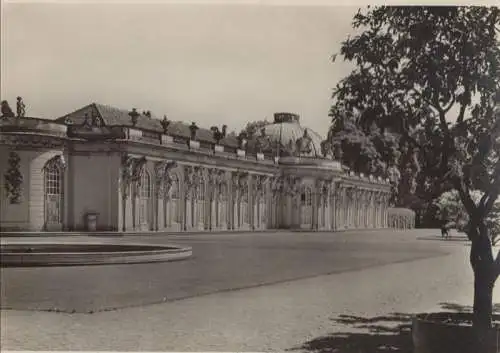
[[341, 207], [363, 209], [371, 220], [234, 201], [350, 208], [347, 207], [295, 202], [275, 204], [330, 204], [317, 205], [212, 197], [367, 209], [337, 206]]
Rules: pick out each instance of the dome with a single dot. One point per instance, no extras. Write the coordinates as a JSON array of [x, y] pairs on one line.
[[293, 138]]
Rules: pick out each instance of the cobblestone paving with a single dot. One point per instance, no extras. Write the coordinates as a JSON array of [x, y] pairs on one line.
[[374, 273]]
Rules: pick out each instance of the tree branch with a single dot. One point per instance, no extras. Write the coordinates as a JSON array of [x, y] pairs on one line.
[[447, 109], [491, 201], [429, 103], [461, 114], [463, 190], [497, 265]]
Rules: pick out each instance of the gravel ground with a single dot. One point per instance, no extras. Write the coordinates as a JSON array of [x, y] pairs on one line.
[[220, 262], [274, 317]]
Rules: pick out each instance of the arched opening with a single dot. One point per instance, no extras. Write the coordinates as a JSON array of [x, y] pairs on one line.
[[260, 208], [53, 193], [144, 200], [172, 211], [221, 206], [199, 221], [244, 216], [306, 206]]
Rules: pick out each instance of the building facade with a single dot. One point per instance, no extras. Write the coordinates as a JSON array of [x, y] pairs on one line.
[[130, 171]]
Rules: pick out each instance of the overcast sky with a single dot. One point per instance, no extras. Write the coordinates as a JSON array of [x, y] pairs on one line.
[[212, 64]]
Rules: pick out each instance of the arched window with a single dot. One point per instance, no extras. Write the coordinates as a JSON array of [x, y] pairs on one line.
[[200, 201], [221, 205], [53, 191], [245, 214], [306, 203], [144, 197], [175, 188], [175, 195], [262, 211], [145, 188]]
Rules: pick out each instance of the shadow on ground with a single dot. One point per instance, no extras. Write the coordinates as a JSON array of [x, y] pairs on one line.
[[462, 239], [380, 334], [452, 307]]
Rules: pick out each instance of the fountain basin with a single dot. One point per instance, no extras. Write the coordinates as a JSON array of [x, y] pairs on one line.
[[32, 254]]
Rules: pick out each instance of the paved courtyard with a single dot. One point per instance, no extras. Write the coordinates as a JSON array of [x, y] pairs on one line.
[[246, 292]]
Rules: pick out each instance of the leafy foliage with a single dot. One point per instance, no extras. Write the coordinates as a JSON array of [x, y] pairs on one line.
[[431, 77], [413, 65], [450, 208], [252, 128], [13, 179]]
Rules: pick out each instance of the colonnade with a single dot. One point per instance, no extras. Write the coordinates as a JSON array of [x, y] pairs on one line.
[[401, 218], [172, 196]]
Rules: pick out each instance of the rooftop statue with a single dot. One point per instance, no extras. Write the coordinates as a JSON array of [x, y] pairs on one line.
[[6, 110], [304, 144], [21, 108], [217, 134], [290, 148], [193, 128], [242, 141], [327, 150], [134, 115], [263, 142], [165, 123]]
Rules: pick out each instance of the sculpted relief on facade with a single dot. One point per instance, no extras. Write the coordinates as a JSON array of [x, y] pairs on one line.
[[165, 186]]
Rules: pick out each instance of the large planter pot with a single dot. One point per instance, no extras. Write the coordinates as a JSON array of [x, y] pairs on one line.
[[451, 333]]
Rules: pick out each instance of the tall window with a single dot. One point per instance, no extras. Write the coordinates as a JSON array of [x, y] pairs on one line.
[[174, 200], [263, 208], [222, 205], [245, 215], [144, 196], [306, 203], [53, 185], [200, 202]]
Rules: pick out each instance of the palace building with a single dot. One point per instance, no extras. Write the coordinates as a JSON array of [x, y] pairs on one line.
[[101, 168]]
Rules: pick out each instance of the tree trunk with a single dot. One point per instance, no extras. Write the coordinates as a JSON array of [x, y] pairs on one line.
[[483, 265], [483, 300]]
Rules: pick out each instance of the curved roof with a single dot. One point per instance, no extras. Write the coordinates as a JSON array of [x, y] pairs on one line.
[[286, 130], [112, 116]]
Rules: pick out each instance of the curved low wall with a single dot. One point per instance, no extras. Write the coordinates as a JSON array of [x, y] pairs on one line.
[[25, 254], [435, 333]]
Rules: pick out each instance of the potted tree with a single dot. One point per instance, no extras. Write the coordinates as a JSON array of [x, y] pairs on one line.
[[193, 128], [165, 124], [242, 144], [430, 77], [218, 136]]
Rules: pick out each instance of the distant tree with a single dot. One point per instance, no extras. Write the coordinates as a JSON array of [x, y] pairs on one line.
[[451, 209], [431, 76], [252, 128], [383, 152]]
